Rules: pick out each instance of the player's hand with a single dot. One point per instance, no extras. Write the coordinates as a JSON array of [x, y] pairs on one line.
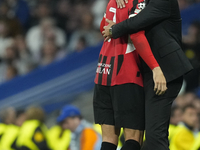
[[160, 84], [106, 33], [121, 3]]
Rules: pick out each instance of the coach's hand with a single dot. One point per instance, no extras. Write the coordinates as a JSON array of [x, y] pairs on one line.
[[160, 86], [106, 33], [121, 3]]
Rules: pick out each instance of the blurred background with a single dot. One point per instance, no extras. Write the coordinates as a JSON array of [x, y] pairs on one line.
[[49, 51]]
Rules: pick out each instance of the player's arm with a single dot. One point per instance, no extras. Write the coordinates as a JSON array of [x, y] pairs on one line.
[[102, 23], [154, 12], [143, 49]]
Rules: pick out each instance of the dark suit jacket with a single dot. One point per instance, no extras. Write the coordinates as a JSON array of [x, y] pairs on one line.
[[162, 22]]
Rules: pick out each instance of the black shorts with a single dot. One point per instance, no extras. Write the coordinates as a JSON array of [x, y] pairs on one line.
[[119, 105]]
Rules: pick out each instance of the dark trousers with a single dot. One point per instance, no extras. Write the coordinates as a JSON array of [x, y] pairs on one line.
[[157, 113]]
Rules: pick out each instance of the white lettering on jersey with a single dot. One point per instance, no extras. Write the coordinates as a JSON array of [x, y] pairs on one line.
[[103, 68], [103, 71]]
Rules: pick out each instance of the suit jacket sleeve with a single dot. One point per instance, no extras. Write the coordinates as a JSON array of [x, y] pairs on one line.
[[155, 11]]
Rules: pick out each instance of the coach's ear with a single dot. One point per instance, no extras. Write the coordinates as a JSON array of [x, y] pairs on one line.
[[121, 3]]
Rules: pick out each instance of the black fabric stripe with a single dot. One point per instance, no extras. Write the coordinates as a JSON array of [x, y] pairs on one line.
[[101, 74], [120, 61], [109, 77], [138, 74], [100, 57], [135, 2]]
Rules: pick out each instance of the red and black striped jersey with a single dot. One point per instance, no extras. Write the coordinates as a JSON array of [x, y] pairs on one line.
[[119, 60]]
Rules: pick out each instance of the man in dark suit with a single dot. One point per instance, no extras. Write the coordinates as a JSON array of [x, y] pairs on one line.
[[162, 23]]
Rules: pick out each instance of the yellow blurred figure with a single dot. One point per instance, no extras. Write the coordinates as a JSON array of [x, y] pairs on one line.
[[8, 139], [7, 117], [183, 139], [196, 145], [176, 116], [184, 136], [59, 139], [172, 131], [2, 129], [97, 128], [33, 132]]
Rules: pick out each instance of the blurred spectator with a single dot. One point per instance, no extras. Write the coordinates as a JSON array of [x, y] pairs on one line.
[[196, 145], [191, 46], [2, 129], [192, 37], [33, 133], [59, 138], [83, 135], [20, 9], [41, 11], [81, 44], [183, 4], [20, 118], [22, 48], [13, 23], [63, 12], [45, 31], [196, 103], [50, 53], [176, 117], [5, 40], [8, 140], [98, 10], [27, 63], [184, 100], [75, 16], [16, 61], [189, 98], [8, 115], [184, 136], [86, 31], [11, 73]]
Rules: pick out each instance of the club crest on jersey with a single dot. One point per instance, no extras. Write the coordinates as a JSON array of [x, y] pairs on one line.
[[141, 4], [138, 5], [103, 68]]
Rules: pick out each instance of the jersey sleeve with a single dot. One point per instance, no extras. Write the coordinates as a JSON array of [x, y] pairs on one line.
[[102, 24], [143, 49]]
